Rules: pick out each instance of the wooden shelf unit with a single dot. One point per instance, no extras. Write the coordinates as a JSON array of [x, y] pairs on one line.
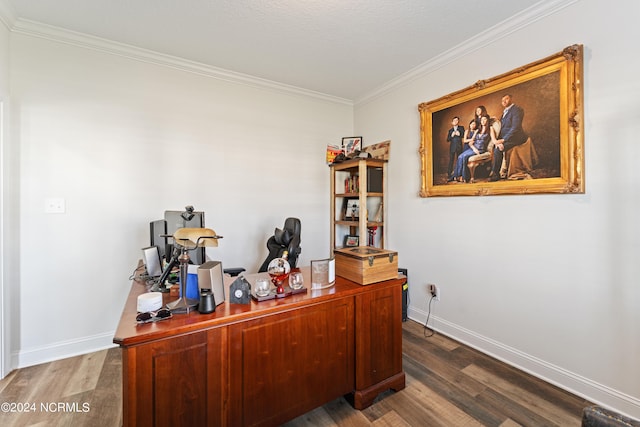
[[372, 203]]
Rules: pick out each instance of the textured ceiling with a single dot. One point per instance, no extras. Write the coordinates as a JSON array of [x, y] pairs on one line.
[[341, 48]]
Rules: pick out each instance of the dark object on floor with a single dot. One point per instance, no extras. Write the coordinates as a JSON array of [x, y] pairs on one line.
[[596, 416]]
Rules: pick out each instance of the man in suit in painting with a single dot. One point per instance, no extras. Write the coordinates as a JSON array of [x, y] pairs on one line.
[[454, 137], [511, 134]]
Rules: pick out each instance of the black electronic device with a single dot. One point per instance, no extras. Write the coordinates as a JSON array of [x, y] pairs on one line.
[[158, 236], [405, 293], [207, 302]]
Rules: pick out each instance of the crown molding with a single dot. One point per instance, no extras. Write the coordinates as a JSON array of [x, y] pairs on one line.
[[61, 35], [514, 23], [7, 14]]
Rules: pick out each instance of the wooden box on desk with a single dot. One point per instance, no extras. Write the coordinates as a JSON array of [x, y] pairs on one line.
[[366, 265]]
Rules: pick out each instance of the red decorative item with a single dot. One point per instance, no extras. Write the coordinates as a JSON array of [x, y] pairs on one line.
[[278, 270], [372, 233]]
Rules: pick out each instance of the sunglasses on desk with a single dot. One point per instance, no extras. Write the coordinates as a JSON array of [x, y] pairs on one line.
[[153, 316]]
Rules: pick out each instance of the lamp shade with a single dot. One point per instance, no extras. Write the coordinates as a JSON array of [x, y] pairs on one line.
[[195, 237]]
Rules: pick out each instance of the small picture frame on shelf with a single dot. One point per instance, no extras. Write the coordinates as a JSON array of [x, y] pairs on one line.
[[351, 241], [352, 210], [351, 145]]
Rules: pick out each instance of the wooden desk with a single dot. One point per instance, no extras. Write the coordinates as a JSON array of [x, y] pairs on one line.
[[264, 363]]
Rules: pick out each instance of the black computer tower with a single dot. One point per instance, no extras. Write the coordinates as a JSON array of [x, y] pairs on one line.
[[405, 293]]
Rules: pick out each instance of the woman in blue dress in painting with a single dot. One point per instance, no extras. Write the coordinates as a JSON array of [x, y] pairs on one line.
[[478, 144]]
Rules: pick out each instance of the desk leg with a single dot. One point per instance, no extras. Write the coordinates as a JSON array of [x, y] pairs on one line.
[[362, 399]]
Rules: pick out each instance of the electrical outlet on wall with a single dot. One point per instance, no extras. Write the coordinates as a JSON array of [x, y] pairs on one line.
[[434, 292]]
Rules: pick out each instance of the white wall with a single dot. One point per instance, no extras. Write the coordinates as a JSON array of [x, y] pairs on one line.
[[546, 282], [123, 140], [6, 271], [555, 293]]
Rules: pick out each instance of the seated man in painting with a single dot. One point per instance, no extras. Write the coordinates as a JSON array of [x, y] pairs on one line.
[[511, 134]]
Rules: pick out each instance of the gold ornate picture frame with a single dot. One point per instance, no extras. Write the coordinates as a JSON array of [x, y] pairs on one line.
[[549, 93]]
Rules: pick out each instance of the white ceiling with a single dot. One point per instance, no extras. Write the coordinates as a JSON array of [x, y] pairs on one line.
[[341, 48]]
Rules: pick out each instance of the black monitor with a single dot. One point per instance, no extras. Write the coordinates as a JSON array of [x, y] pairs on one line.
[[176, 220], [157, 233]]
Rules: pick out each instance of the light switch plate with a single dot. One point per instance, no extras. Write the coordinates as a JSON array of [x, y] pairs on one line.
[[54, 205]]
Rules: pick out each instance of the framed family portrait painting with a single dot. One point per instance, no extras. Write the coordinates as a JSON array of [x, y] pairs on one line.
[[521, 132]]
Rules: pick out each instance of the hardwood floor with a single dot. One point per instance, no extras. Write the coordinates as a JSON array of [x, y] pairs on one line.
[[79, 391], [448, 384]]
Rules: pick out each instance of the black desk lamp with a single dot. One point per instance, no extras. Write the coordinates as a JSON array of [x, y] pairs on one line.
[[188, 239]]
